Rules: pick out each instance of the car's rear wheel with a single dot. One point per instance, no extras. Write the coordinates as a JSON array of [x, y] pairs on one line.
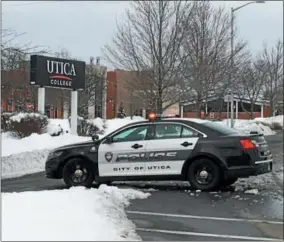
[[204, 174], [78, 172]]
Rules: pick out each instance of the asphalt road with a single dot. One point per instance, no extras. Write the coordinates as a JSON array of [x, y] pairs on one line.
[[173, 212]]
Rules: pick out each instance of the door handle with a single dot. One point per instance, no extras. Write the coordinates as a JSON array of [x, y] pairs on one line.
[[136, 146], [185, 144]]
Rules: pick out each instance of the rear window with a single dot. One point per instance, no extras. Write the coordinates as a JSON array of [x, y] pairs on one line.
[[221, 128]]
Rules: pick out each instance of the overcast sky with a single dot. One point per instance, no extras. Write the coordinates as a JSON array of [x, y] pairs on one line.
[[84, 27]]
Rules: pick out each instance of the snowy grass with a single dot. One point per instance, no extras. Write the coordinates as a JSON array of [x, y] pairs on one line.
[[75, 214]]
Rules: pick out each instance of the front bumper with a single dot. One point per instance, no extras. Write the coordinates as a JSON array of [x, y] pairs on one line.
[[52, 169], [259, 167]]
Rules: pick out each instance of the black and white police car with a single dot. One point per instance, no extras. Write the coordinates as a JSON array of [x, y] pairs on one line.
[[204, 153]]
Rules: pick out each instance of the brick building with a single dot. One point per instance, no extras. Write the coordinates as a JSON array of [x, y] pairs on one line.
[[17, 95], [118, 94], [217, 108]]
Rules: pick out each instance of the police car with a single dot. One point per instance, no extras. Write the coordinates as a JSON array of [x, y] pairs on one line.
[[204, 153]]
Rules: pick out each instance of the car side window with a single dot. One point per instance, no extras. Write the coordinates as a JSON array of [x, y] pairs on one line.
[[168, 131], [188, 133], [131, 134]]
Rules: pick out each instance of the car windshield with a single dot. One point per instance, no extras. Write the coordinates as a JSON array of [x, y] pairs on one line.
[[223, 129]]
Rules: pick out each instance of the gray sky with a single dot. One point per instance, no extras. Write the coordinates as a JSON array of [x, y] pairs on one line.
[[84, 27]]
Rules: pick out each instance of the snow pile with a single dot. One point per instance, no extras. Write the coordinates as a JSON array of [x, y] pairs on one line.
[[247, 126], [272, 122], [11, 146], [55, 124], [98, 122], [262, 183], [23, 163], [31, 152], [75, 214]]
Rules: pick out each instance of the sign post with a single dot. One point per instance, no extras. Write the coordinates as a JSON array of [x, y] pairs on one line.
[[58, 73], [74, 110], [41, 100]]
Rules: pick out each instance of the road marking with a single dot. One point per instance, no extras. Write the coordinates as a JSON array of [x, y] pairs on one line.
[[205, 217], [206, 234]]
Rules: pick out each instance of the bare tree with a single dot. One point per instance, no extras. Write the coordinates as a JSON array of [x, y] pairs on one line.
[[15, 69], [207, 45], [273, 68], [148, 43], [94, 88], [250, 85]]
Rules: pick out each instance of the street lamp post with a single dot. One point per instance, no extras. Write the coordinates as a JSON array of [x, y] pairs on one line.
[[233, 10]]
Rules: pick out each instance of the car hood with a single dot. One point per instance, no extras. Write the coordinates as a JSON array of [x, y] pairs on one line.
[[76, 145]]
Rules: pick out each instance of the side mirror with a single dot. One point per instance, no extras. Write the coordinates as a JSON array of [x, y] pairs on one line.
[[95, 137], [108, 140]]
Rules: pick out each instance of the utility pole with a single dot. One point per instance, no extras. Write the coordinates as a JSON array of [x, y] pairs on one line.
[[233, 10]]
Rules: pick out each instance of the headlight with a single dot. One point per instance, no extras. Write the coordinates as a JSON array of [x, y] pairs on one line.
[[55, 154]]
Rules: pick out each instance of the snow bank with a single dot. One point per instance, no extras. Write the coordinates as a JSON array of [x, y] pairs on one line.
[[75, 214], [31, 152], [271, 121], [246, 126], [11, 146], [23, 164]]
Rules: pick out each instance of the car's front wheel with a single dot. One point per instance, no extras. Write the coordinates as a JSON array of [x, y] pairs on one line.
[[78, 172], [204, 174]]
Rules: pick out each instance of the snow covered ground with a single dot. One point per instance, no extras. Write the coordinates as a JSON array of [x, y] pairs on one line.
[[75, 214]]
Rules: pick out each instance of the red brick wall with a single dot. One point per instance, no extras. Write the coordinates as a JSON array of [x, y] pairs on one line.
[[111, 94], [241, 115]]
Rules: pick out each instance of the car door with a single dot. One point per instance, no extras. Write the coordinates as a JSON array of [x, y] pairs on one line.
[[171, 145], [125, 155]]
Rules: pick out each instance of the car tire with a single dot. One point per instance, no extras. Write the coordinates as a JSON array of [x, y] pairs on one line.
[[229, 182], [78, 172], [197, 176]]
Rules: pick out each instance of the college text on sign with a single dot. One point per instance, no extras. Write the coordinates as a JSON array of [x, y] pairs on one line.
[[55, 72], [61, 73]]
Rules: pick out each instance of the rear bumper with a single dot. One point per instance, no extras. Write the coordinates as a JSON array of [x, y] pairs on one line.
[[259, 167]]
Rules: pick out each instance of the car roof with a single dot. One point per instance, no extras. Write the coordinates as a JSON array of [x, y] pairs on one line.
[[193, 122]]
